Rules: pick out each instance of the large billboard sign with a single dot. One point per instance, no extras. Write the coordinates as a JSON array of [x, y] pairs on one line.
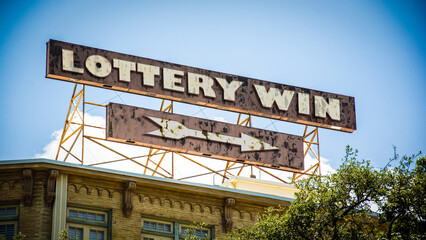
[[111, 70], [178, 133]]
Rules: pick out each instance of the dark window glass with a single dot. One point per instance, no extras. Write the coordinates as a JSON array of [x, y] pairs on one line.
[[75, 232], [91, 216], [82, 215], [153, 225], [161, 227], [71, 232], [8, 230], [96, 235], [146, 224], [100, 217], [8, 211], [73, 213], [92, 235], [11, 211], [167, 227], [204, 233], [100, 235]]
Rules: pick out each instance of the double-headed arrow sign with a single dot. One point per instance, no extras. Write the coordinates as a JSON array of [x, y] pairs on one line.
[[202, 137], [176, 130]]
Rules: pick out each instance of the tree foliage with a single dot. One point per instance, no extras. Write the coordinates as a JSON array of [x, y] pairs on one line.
[[404, 206], [194, 231], [356, 202], [18, 236]]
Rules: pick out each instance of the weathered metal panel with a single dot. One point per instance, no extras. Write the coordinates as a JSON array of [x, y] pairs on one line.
[[101, 68], [202, 137]]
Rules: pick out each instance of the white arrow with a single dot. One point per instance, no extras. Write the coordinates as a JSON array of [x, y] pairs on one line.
[[176, 130]]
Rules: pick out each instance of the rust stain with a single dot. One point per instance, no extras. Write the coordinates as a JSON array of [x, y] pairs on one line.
[[128, 122], [246, 100]]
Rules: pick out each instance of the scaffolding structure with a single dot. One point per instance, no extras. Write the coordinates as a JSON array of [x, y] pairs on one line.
[[163, 162]]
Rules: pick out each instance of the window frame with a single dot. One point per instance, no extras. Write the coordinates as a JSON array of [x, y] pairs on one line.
[[86, 229], [86, 221], [157, 222], [183, 235], [11, 219], [154, 236], [90, 224], [15, 225], [157, 232], [176, 228]]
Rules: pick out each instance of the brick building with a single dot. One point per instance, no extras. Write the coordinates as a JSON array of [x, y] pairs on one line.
[[41, 197]]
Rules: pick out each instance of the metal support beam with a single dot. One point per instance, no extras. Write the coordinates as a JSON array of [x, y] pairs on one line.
[[311, 139], [74, 129], [67, 132]]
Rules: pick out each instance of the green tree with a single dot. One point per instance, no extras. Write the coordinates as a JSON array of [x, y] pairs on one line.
[[19, 236], [404, 208], [194, 231], [341, 205], [64, 235]]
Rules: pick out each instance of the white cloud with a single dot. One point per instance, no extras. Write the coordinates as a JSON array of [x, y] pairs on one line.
[[220, 119], [49, 151], [325, 167]]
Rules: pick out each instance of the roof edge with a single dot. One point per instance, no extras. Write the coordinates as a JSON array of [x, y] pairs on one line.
[[119, 175]]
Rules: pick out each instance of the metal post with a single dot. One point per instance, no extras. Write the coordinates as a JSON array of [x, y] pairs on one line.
[[82, 129], [314, 140]]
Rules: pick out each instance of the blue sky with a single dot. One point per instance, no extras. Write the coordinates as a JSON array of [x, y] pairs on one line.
[[374, 51]]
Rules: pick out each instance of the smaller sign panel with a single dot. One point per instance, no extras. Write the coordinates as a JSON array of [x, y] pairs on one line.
[[203, 137]]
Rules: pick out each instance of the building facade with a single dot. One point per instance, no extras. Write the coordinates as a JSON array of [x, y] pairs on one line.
[[41, 197]]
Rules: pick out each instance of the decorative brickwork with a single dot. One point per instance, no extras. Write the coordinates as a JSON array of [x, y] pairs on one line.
[[156, 202], [129, 187], [34, 220], [229, 204], [156, 198], [50, 189], [28, 187]]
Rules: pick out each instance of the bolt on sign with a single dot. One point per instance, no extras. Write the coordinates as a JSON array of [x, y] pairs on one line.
[[178, 133], [101, 68]]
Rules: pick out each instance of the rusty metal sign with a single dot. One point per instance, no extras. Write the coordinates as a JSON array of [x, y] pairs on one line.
[[111, 70], [178, 133]]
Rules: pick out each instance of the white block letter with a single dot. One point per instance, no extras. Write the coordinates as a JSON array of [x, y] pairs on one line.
[[273, 95], [149, 73], [229, 88], [303, 103], [197, 81], [170, 79], [322, 107], [124, 68], [98, 66], [68, 62]]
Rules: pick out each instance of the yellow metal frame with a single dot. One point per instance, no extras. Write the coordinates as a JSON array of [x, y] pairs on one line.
[[310, 139], [77, 95], [242, 121], [74, 130], [153, 151]]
